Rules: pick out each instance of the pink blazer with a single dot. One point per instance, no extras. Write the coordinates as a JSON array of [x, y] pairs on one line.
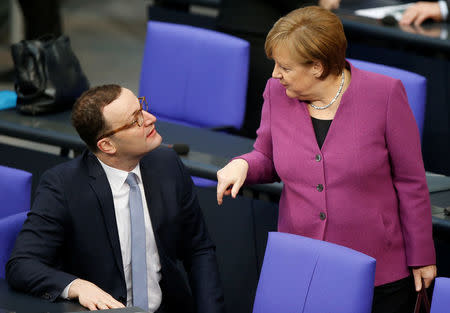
[[366, 188]]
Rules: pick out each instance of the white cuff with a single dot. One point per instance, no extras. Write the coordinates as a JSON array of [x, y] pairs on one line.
[[65, 293], [444, 34], [444, 9]]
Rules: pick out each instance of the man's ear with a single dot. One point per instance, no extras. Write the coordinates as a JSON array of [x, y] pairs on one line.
[[105, 145]]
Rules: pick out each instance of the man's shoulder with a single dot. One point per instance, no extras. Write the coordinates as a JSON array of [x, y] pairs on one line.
[[161, 156], [163, 162], [70, 168]]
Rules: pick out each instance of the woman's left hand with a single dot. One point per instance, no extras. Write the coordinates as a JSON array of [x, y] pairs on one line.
[[428, 273]]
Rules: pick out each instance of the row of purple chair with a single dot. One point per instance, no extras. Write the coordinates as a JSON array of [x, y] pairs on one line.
[[15, 195], [305, 275], [198, 77]]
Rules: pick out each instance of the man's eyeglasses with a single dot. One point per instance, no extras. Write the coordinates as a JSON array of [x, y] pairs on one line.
[[137, 119]]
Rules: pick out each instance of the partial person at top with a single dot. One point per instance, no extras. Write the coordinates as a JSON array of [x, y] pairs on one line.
[[251, 20], [417, 13], [346, 146], [41, 18]]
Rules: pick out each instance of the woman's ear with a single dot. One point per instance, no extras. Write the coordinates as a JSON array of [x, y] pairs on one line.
[[105, 145], [317, 68]]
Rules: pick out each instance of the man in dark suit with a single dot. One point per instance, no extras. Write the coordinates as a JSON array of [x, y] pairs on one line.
[[252, 20], [419, 12], [78, 240]]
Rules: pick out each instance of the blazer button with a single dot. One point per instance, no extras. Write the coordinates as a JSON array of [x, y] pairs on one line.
[[318, 157], [319, 187], [322, 216]]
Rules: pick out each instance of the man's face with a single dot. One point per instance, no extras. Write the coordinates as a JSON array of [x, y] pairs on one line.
[[135, 141]]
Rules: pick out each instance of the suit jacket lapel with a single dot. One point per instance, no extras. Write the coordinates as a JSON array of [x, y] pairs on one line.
[[153, 195], [102, 189]]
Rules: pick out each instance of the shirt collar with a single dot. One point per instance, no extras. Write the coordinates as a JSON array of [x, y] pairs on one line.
[[116, 177]]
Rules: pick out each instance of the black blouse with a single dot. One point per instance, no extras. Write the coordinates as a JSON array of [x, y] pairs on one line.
[[321, 128]]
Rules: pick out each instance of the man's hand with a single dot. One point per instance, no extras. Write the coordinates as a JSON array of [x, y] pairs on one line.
[[329, 4], [428, 273], [420, 11], [91, 296]]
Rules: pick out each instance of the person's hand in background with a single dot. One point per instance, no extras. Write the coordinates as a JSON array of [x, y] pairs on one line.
[[420, 11], [434, 32], [329, 4], [233, 174]]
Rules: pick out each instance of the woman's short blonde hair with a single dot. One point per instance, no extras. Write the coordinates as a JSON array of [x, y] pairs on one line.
[[310, 34]]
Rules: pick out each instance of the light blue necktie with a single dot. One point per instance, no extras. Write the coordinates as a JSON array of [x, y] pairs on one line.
[[138, 249]]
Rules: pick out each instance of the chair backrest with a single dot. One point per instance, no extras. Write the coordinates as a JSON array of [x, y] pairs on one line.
[[15, 191], [194, 76], [441, 296], [9, 229], [301, 274], [415, 86]]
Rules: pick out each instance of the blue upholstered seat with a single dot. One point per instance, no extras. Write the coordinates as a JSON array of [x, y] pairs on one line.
[[441, 296], [15, 191], [195, 77], [415, 86], [301, 274]]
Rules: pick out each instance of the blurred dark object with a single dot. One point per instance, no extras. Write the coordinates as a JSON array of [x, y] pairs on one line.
[[422, 302], [389, 20], [41, 18], [447, 211], [178, 12], [252, 20], [48, 75], [7, 75]]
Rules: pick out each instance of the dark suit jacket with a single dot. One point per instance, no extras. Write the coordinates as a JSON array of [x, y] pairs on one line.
[[71, 232]]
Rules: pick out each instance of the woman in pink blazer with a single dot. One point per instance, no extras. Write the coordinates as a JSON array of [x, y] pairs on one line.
[[346, 146]]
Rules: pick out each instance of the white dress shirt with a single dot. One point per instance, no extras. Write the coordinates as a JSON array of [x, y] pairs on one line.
[[120, 191], [444, 9]]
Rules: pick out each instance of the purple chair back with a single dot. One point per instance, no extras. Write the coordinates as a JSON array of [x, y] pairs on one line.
[[441, 296], [194, 76], [415, 86], [15, 191], [301, 274], [10, 227]]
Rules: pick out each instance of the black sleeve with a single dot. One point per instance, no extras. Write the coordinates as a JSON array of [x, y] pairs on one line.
[[448, 10], [199, 252]]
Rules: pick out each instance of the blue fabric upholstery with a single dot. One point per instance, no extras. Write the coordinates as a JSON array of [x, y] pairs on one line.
[[194, 76], [415, 86], [8, 99], [441, 296], [15, 191], [301, 274], [9, 229]]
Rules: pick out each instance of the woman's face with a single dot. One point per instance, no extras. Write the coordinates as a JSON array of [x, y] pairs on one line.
[[298, 79]]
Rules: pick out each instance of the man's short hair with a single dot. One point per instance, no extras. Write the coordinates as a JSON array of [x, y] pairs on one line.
[[87, 113]]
